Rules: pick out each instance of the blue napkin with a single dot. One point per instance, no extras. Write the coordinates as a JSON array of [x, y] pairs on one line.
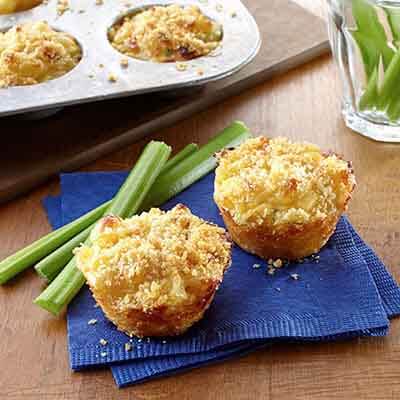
[[139, 371], [347, 292]]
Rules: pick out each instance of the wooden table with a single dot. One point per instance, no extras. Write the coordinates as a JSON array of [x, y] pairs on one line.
[[304, 104]]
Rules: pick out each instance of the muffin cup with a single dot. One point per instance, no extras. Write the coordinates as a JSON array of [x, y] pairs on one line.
[[281, 199], [160, 321], [291, 242], [164, 274]]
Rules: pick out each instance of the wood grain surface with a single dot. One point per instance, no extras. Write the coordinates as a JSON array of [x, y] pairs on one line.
[[78, 135], [304, 104]]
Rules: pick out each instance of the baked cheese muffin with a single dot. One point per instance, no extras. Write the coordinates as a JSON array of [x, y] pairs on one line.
[[281, 199], [34, 52], [13, 6], [155, 274], [166, 33]]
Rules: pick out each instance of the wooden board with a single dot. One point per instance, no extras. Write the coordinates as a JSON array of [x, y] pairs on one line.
[[33, 151]]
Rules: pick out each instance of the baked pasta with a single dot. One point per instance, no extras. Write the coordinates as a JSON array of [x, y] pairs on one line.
[[166, 33], [34, 52], [281, 199], [155, 274]]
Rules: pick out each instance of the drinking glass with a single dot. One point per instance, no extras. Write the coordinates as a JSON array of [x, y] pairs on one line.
[[365, 41]]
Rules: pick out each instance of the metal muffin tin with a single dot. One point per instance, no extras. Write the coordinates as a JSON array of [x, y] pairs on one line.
[[88, 23]]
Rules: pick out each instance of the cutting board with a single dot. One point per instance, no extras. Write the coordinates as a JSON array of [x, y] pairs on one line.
[[32, 151]]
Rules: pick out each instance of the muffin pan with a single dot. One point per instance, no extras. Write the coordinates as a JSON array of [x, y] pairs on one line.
[[100, 75]]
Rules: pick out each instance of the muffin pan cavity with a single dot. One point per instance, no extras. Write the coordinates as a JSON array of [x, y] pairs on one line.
[[169, 33], [33, 53]]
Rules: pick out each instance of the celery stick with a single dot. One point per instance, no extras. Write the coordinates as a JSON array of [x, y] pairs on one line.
[[50, 266], [129, 197], [24, 258], [67, 284], [369, 98], [393, 111], [136, 186], [185, 152], [369, 52], [394, 22], [369, 26], [63, 288], [391, 81], [195, 166]]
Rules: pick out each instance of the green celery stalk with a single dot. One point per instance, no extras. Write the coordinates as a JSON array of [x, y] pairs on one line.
[[67, 284], [129, 197], [369, 52], [369, 98], [180, 156], [26, 257], [393, 15], [181, 177], [393, 110], [140, 180], [372, 42], [50, 266], [371, 36], [391, 81]]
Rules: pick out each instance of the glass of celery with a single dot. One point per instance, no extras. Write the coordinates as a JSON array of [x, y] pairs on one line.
[[365, 40]]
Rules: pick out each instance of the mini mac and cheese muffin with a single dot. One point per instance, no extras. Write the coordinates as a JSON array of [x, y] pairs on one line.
[[166, 33], [281, 199], [12, 6], [155, 274], [34, 52]]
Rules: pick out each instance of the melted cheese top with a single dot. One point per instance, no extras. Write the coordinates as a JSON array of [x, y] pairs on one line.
[[166, 33], [154, 259], [34, 52], [279, 182]]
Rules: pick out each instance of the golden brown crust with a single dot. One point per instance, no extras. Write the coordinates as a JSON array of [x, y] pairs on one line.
[[32, 53], [166, 33], [155, 274], [293, 243], [281, 199], [161, 321]]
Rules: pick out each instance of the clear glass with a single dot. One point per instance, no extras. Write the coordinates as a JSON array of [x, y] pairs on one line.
[[365, 40]]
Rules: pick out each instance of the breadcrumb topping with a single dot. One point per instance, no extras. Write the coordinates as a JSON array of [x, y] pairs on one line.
[[180, 66], [13, 6], [112, 78], [156, 261], [281, 182], [124, 63], [33, 52], [166, 33], [62, 6], [128, 346]]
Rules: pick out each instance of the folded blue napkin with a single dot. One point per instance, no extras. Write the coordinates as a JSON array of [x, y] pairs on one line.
[[346, 292]]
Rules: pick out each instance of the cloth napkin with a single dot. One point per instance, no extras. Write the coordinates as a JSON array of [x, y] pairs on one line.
[[344, 292]]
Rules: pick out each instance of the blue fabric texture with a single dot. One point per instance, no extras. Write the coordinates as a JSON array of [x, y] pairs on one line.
[[345, 293]]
